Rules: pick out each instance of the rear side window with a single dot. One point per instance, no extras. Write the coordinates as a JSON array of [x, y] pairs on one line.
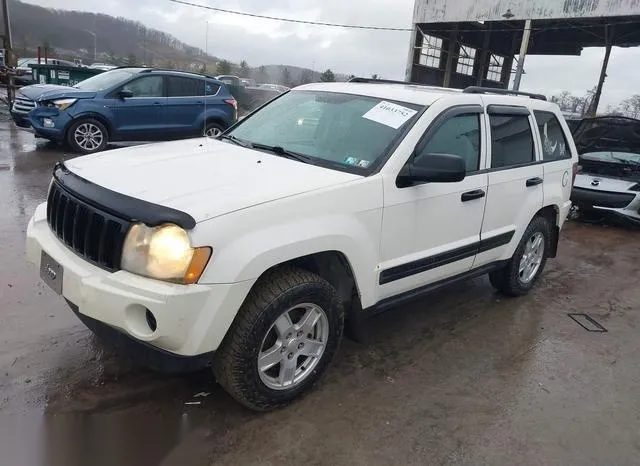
[[179, 86], [460, 135], [511, 140], [554, 142]]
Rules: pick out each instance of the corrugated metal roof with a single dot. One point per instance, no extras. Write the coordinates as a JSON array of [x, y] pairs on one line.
[[432, 11]]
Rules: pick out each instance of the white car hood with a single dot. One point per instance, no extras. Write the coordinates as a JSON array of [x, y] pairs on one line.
[[602, 183], [203, 177]]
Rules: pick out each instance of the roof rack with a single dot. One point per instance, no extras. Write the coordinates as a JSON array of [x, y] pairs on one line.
[[146, 69], [384, 81], [490, 90]]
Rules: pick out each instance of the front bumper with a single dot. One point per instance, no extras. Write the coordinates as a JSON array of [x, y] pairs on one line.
[[60, 119], [624, 204], [191, 319], [21, 119]]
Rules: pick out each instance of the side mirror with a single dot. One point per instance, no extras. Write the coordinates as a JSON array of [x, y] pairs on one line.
[[125, 94], [432, 168]]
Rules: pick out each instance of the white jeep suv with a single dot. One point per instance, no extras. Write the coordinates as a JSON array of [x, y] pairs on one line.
[[334, 201]]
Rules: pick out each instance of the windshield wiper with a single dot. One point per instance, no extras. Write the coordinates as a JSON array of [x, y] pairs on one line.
[[626, 161], [235, 140], [279, 150]]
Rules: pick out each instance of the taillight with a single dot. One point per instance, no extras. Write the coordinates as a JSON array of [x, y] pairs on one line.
[[576, 169], [234, 104]]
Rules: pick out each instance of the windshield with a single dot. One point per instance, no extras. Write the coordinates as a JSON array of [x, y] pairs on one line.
[[104, 80], [613, 157], [26, 61], [344, 131]]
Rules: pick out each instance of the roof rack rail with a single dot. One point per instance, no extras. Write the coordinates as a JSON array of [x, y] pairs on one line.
[[383, 81], [146, 69], [490, 90]]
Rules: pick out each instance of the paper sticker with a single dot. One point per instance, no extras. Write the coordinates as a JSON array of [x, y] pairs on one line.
[[364, 163], [351, 161], [389, 114]]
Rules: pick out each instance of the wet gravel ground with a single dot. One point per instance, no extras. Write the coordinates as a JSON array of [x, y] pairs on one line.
[[463, 377]]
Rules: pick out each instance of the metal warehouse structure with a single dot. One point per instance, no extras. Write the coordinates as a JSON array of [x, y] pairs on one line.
[[460, 43]]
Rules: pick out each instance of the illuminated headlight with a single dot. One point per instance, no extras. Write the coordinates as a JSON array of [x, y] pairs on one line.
[[164, 253], [62, 104]]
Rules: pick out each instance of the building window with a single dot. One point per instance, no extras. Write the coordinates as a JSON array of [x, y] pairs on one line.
[[431, 51], [465, 60], [496, 63]]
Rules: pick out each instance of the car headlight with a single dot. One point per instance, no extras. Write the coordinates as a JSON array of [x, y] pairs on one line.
[[164, 253], [62, 104]]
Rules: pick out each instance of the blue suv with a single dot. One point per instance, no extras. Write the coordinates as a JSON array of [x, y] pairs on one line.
[[126, 104]]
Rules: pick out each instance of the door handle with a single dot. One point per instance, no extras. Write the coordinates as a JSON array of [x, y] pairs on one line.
[[472, 195], [534, 181]]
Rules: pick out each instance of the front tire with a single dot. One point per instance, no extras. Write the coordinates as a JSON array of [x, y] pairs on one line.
[[528, 260], [87, 136], [283, 339]]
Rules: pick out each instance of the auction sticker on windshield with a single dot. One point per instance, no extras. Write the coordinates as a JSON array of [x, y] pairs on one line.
[[389, 114]]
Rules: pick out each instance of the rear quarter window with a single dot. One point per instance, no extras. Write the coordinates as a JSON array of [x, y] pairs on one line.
[[554, 141]]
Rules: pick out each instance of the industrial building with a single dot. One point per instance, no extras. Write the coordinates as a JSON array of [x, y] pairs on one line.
[[460, 43]]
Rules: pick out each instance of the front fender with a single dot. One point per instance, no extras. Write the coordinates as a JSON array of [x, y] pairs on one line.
[[249, 255]]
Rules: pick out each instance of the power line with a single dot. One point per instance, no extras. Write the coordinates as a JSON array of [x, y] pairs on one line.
[[381, 28], [289, 20]]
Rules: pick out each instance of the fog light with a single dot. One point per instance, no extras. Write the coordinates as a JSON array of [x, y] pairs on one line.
[[151, 320], [48, 123]]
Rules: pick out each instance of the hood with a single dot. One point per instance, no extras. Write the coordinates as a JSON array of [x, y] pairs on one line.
[[203, 177], [40, 92], [609, 147], [607, 134]]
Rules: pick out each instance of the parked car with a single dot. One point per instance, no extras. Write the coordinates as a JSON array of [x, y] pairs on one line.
[[609, 177], [102, 66], [274, 87], [230, 80], [126, 104], [250, 253]]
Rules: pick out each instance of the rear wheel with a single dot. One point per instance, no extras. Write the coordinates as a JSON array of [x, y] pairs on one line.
[[87, 136], [527, 262], [213, 130], [282, 341]]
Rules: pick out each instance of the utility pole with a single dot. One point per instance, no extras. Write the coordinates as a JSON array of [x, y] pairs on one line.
[[8, 49], [524, 47], [95, 44], [608, 39]]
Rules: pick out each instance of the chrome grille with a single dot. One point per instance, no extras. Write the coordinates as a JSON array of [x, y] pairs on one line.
[[91, 233], [23, 105]]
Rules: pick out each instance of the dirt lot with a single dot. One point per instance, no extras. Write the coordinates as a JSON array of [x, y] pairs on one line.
[[464, 377]]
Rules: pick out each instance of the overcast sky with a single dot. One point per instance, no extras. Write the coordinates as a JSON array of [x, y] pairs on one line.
[[265, 42]]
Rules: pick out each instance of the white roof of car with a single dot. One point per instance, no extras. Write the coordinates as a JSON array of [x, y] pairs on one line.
[[412, 93]]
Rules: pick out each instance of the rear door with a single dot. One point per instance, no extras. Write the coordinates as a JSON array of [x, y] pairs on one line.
[[141, 117], [558, 163], [516, 179], [185, 105]]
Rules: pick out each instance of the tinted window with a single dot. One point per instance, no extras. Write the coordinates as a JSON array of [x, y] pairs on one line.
[[149, 86], [459, 135], [179, 86], [554, 142], [511, 140]]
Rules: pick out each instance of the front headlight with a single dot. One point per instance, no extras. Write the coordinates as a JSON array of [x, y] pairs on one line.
[[164, 253], [63, 104]]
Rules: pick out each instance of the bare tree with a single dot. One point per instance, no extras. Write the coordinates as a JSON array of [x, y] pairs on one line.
[[631, 106]]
